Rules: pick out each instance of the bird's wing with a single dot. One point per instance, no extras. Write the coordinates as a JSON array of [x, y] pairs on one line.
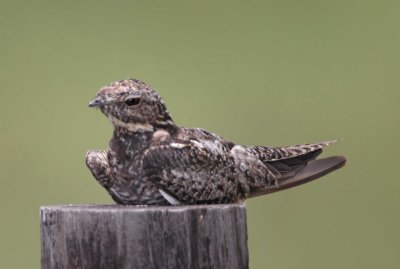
[[189, 171], [200, 171]]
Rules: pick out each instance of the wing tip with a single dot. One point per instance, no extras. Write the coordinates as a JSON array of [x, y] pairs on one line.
[[319, 167], [313, 170]]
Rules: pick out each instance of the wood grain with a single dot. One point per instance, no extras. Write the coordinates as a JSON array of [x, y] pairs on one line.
[[115, 236]]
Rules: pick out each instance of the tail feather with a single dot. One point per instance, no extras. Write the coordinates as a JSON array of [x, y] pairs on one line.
[[312, 170], [269, 154]]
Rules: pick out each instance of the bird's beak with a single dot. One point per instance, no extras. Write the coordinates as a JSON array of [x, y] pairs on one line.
[[95, 103]]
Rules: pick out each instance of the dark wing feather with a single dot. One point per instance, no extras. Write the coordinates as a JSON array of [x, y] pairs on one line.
[[312, 170], [295, 164], [289, 160]]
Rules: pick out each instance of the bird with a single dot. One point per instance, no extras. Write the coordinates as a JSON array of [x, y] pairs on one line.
[[153, 161]]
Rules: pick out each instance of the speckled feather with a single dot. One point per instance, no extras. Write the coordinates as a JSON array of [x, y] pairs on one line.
[[152, 161]]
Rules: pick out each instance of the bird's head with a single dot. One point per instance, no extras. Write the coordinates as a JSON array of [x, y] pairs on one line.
[[133, 106]]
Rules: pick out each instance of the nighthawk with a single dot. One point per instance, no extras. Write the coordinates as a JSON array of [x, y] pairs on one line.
[[152, 161]]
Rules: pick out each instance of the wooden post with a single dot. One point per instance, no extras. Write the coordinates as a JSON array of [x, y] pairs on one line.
[[115, 236]]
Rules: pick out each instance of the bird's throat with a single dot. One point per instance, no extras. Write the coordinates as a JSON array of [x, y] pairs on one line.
[[131, 127]]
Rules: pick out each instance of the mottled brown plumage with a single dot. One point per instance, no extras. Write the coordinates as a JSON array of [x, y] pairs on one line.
[[152, 161]]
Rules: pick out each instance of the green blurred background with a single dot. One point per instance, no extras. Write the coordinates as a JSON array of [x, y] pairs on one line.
[[255, 72]]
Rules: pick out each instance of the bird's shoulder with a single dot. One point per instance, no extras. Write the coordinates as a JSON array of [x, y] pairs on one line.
[[201, 138]]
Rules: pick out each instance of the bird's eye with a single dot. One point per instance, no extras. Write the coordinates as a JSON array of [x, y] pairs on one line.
[[132, 101]]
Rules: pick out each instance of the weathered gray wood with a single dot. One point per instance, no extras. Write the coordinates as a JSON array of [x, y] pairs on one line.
[[114, 236]]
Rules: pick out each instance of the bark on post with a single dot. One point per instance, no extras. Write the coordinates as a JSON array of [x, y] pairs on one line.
[[114, 236]]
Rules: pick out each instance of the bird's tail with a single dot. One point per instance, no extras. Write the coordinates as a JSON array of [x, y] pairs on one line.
[[312, 170]]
